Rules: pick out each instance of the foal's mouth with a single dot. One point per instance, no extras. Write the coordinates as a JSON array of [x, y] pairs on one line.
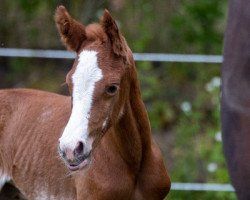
[[78, 166], [78, 162]]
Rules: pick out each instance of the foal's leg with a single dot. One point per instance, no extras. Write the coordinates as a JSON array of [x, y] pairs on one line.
[[3, 179], [10, 192]]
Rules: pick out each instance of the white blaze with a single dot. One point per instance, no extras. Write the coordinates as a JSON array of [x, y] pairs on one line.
[[86, 75]]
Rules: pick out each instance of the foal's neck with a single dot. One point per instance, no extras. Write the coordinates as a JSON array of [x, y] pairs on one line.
[[132, 133]]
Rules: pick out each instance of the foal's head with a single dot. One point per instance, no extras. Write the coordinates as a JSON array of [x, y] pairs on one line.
[[98, 83]]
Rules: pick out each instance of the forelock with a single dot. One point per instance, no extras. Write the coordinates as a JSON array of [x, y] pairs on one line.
[[95, 32]]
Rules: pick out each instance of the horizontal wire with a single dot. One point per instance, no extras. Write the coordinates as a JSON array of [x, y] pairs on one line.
[[156, 57], [202, 187]]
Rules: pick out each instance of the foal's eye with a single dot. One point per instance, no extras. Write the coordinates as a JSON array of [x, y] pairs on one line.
[[112, 89]]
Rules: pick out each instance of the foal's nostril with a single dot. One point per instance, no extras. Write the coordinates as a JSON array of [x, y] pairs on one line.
[[79, 149]]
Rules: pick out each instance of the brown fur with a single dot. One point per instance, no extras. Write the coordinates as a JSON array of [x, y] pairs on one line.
[[126, 163], [116, 39], [72, 32]]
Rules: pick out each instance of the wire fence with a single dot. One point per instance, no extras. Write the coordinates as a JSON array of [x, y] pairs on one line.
[[59, 54], [202, 187]]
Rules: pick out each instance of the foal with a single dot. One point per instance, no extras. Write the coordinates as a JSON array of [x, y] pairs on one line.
[[103, 128]]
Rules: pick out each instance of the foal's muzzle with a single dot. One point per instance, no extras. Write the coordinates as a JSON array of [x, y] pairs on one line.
[[75, 159]]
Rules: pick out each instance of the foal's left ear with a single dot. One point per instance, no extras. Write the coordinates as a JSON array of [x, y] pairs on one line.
[[71, 31], [118, 42]]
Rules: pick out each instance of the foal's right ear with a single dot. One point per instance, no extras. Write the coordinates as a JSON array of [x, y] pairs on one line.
[[71, 31]]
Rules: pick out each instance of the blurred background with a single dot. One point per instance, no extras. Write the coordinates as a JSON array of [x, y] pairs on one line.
[[182, 98]]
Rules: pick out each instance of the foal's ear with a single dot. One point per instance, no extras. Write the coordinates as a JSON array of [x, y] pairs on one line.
[[118, 42], [71, 31]]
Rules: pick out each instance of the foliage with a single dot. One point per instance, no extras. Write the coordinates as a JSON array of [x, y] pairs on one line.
[[182, 99]]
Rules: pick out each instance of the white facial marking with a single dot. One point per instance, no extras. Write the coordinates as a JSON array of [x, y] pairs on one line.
[[86, 75]]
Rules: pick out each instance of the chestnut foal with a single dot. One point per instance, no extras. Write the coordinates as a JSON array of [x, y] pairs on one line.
[[103, 127]]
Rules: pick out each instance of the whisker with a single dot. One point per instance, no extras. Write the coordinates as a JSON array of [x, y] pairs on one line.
[[63, 84]]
